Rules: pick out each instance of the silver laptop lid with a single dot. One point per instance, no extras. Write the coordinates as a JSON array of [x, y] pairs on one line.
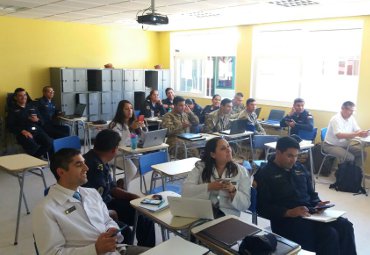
[[153, 138], [191, 207]]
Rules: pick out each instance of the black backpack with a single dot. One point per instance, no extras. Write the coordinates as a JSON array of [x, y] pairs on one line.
[[348, 178]]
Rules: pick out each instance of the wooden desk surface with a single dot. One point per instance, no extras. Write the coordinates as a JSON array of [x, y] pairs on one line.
[[73, 119], [20, 162], [164, 217], [128, 149], [177, 167]]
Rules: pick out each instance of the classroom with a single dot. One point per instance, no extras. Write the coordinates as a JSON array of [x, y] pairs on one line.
[[262, 49]]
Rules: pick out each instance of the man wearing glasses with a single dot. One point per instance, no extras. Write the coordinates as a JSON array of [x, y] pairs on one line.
[[342, 128]]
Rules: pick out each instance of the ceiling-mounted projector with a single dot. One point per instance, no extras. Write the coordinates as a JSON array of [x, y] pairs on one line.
[[152, 18]]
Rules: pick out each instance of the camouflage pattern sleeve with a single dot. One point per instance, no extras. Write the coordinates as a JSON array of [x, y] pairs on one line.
[[173, 124]]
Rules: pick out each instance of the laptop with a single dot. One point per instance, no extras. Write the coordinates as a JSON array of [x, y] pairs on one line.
[[152, 138], [258, 111], [229, 232], [79, 110], [191, 136], [236, 127], [191, 207], [274, 117]]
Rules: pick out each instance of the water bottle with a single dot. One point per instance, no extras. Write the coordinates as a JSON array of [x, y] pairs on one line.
[[133, 141]]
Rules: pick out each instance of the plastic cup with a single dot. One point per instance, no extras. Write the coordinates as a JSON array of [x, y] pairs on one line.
[[134, 143]]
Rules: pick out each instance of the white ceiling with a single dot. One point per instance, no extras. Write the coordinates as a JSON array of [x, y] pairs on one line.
[[182, 14]]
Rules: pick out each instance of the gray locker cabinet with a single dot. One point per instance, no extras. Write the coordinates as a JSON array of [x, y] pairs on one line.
[[129, 95], [67, 80], [80, 80], [116, 98], [128, 80], [94, 103], [117, 79], [106, 102], [68, 103], [83, 98], [106, 80], [139, 80]]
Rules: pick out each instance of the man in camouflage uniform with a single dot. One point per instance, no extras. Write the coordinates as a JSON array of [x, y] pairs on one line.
[[219, 120], [238, 103], [179, 121], [250, 115]]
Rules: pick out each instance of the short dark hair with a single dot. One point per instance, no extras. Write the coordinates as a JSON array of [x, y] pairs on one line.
[[178, 99], [215, 95], [298, 100], [168, 89], [45, 89], [61, 159], [189, 101], [347, 104], [17, 90], [239, 94], [106, 140], [250, 100], [285, 143], [225, 101]]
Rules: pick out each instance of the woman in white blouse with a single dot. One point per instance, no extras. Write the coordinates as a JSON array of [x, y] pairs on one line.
[[217, 178], [125, 123]]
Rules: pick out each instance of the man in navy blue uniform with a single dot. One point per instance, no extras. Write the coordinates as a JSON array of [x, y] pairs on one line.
[[49, 113], [98, 176], [284, 196], [24, 121], [298, 118], [168, 102]]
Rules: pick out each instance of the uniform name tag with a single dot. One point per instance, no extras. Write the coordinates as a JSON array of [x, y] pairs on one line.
[[69, 210]]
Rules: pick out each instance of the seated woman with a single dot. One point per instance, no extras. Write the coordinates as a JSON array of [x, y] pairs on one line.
[[217, 178], [125, 123], [153, 105], [216, 100]]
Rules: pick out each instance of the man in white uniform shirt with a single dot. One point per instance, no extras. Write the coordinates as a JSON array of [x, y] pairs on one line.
[[342, 128], [72, 219]]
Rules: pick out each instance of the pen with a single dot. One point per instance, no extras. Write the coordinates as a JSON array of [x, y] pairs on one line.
[[119, 230]]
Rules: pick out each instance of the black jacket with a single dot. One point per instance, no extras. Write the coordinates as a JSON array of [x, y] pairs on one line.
[[304, 121], [279, 190]]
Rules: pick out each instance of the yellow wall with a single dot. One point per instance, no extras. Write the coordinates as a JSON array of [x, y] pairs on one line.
[[29, 47]]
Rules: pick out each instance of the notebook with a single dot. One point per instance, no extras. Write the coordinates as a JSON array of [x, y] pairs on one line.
[[152, 138], [79, 110], [191, 207], [229, 231], [236, 127], [327, 215], [274, 117], [191, 136]]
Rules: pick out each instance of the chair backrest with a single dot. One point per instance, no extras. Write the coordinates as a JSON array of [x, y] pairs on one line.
[[67, 142], [260, 140], [323, 133], [147, 160], [308, 135], [253, 205], [137, 113]]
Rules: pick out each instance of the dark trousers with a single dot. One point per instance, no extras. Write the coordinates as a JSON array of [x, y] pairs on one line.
[[36, 146], [333, 238], [57, 131], [145, 234]]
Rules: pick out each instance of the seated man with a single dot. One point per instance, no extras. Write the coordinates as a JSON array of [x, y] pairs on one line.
[[298, 118], [99, 177], [284, 194], [219, 120], [194, 107], [251, 116], [24, 121], [49, 113], [342, 128], [238, 103], [177, 122], [168, 102], [72, 219]]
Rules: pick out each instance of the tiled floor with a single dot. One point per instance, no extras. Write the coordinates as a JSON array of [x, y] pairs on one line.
[[357, 207]]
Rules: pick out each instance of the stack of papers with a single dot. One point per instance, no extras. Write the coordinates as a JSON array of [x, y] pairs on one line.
[[327, 215]]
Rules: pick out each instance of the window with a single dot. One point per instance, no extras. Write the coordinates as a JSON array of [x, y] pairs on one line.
[[318, 62], [203, 64]]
